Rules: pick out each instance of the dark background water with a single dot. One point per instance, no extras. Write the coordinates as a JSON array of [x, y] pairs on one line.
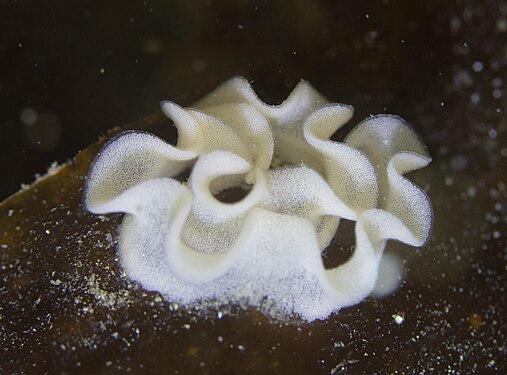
[[71, 70]]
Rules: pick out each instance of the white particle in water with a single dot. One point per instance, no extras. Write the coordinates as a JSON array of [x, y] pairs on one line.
[[477, 66], [492, 133], [475, 98], [399, 318], [501, 25], [449, 181], [28, 116], [497, 93]]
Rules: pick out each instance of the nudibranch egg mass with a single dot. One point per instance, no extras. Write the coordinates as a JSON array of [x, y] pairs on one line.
[[179, 239]]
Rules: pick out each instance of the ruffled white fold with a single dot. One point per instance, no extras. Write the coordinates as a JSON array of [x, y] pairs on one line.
[[395, 149], [179, 239], [127, 160], [347, 170]]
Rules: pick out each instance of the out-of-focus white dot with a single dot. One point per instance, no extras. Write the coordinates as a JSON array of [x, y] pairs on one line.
[[449, 181], [458, 163], [471, 191], [475, 98], [501, 25], [455, 24], [497, 93], [28, 116], [389, 276], [44, 133], [497, 82], [153, 46], [198, 66], [477, 66], [492, 133], [102, 70], [373, 34]]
